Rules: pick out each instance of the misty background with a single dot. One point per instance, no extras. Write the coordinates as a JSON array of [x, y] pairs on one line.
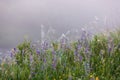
[[21, 18]]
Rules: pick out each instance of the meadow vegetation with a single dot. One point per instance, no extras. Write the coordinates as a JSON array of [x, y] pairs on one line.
[[86, 59]]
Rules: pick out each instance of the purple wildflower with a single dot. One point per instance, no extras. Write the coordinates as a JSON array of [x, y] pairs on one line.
[[31, 58], [15, 49], [38, 51], [110, 46], [83, 36], [87, 50], [11, 54], [45, 45], [80, 57], [75, 52], [54, 63], [63, 41], [109, 49], [44, 60], [53, 52], [78, 46]]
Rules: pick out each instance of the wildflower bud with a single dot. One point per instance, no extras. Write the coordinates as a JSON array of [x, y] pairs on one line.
[[96, 78]]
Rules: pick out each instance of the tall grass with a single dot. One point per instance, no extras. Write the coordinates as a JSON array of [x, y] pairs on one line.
[[96, 59]]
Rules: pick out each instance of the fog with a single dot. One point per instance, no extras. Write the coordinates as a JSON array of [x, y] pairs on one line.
[[20, 18]]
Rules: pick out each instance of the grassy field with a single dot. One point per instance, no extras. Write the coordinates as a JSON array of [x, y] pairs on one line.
[[86, 59]]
